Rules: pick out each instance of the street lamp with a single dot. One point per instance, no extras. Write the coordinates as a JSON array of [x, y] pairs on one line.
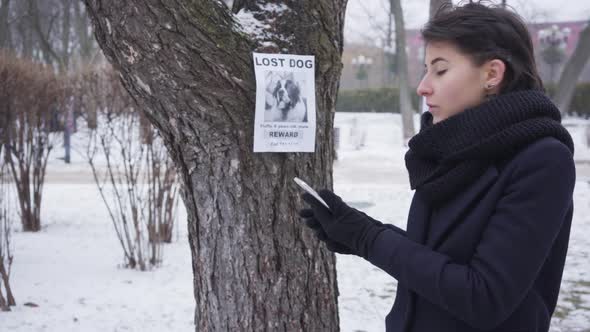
[[390, 55], [362, 63], [553, 40]]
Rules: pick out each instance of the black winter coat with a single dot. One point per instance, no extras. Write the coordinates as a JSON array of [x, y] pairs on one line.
[[492, 257]]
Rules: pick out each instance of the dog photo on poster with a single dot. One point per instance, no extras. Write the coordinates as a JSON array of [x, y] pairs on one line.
[[285, 103]]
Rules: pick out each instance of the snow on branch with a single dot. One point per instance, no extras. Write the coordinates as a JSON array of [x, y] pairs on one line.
[[261, 24]]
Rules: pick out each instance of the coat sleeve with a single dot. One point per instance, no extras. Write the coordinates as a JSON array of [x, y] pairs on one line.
[[387, 226], [510, 254], [395, 229]]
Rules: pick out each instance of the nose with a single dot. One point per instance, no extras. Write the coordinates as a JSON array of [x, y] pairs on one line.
[[424, 88]]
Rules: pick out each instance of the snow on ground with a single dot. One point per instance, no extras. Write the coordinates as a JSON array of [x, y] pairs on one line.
[[70, 268]]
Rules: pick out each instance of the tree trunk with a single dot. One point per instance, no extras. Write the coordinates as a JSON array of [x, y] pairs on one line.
[[44, 37], [26, 36], [65, 35], [572, 70], [10, 301], [436, 4], [83, 33], [190, 68], [3, 304], [405, 101], [4, 26]]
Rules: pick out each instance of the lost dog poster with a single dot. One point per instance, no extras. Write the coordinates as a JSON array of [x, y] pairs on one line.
[[285, 103]]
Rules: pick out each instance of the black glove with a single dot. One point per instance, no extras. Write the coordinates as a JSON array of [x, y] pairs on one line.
[[342, 224], [311, 222]]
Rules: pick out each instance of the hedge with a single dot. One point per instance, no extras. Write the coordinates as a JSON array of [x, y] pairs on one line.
[[580, 102], [386, 100], [371, 100]]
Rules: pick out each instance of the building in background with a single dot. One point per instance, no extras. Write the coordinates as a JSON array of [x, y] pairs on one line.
[[381, 73]]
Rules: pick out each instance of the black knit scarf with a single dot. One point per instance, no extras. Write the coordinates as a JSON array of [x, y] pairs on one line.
[[446, 157]]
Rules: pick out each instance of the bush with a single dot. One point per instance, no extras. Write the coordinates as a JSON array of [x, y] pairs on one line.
[[30, 96], [130, 164], [372, 100], [581, 101], [386, 100]]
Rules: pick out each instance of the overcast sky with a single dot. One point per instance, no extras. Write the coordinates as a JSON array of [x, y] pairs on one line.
[[364, 18]]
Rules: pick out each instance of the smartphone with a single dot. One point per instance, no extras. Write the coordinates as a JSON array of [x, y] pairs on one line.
[[310, 190]]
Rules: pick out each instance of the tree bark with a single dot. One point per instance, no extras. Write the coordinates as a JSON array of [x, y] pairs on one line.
[[572, 70], [189, 66], [405, 101]]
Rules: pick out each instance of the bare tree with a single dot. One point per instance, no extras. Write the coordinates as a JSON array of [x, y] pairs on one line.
[[6, 218], [5, 40], [6, 208], [532, 13], [189, 66], [405, 101], [572, 70], [51, 21], [83, 31], [56, 32], [435, 5]]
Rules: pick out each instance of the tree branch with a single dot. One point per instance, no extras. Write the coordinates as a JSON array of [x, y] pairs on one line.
[[43, 39]]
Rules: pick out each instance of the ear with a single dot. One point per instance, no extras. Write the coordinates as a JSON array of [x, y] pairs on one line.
[[494, 71], [276, 88], [295, 91]]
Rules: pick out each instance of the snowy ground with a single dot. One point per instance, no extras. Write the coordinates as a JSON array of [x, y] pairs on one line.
[[70, 268]]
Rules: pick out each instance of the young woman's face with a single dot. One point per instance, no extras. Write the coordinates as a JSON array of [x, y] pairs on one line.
[[451, 82]]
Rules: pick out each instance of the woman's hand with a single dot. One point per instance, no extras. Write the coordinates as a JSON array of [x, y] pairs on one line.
[[342, 228], [311, 222]]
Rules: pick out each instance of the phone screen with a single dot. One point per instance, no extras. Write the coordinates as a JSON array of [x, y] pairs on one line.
[[310, 190]]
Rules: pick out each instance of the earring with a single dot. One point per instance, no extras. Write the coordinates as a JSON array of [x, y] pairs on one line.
[[489, 86]]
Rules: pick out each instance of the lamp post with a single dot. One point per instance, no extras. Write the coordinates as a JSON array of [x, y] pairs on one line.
[[553, 40], [391, 70], [362, 64]]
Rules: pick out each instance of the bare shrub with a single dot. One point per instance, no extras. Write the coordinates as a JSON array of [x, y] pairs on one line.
[[31, 96], [135, 177]]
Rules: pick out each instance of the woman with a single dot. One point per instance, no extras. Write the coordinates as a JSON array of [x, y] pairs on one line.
[[493, 171]]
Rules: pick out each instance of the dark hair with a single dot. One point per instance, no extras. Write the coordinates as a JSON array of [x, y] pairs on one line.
[[486, 32]]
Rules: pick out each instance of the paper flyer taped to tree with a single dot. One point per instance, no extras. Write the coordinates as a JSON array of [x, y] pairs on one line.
[[285, 117]]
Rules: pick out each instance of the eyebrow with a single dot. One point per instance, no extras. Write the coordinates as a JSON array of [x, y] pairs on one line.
[[437, 60]]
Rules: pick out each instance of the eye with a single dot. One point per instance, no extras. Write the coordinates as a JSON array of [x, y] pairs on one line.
[[440, 73]]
